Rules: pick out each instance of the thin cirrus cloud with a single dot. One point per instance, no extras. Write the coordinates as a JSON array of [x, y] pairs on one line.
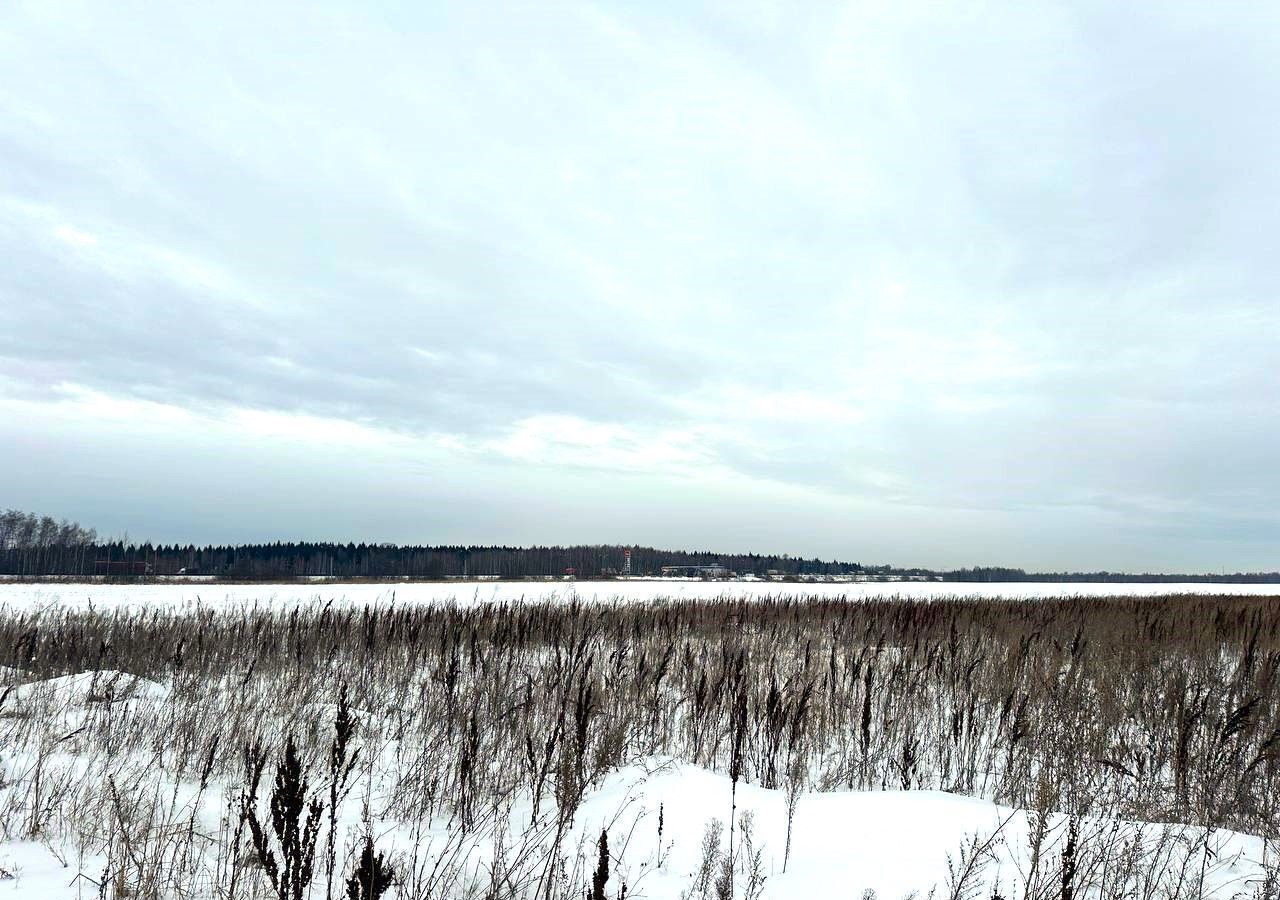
[[932, 282]]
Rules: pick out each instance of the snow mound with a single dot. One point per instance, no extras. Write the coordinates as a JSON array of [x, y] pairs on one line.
[[101, 686], [891, 842], [31, 870]]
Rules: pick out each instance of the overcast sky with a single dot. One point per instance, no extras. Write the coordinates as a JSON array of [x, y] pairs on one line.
[[925, 283]]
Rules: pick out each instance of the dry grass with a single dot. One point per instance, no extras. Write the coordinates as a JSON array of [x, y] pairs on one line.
[[1159, 709]]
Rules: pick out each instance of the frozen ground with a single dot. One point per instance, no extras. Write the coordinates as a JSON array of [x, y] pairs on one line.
[[187, 595], [659, 814], [896, 844], [103, 760], [55, 777]]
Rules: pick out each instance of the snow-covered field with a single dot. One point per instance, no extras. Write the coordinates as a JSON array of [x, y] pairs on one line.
[[666, 823], [881, 755], [895, 844], [179, 595]]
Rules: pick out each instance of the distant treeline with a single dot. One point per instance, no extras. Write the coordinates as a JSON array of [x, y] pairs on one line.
[[35, 546], [42, 545], [298, 560], [997, 573]]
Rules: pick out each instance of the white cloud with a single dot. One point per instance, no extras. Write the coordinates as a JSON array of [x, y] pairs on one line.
[[74, 236], [913, 254], [571, 441]]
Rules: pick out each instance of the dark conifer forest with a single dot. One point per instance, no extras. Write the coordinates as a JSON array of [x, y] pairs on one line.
[[33, 546]]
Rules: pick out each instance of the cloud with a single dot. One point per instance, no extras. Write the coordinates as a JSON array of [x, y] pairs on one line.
[[956, 265], [74, 236]]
